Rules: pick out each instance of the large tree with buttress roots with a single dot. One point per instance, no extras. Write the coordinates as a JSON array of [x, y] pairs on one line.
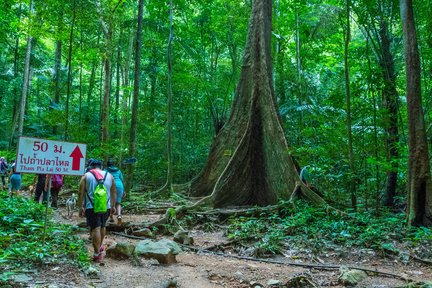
[[249, 163]]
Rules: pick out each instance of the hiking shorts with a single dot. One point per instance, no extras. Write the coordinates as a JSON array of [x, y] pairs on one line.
[[95, 220], [119, 196], [15, 181]]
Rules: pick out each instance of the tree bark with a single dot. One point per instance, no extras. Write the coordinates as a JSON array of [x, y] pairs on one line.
[[126, 93], [170, 102], [248, 162], [15, 89], [26, 79], [134, 117], [352, 176], [391, 104], [419, 210], [69, 76]]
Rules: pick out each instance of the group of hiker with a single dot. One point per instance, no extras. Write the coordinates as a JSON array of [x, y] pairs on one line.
[[99, 196], [9, 171]]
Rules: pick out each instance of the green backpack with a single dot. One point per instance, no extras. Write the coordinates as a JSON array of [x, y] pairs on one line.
[[100, 195]]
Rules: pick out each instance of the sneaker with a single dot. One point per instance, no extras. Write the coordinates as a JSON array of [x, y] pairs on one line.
[[102, 248], [98, 258], [119, 220]]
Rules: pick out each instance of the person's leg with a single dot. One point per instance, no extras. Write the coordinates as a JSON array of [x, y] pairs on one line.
[[96, 239], [119, 215], [54, 198], [37, 195], [102, 236]]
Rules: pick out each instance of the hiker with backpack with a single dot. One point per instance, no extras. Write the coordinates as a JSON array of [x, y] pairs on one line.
[[3, 171], [56, 185], [98, 193], [118, 180]]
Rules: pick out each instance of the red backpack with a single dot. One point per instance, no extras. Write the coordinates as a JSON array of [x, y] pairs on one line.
[[57, 181]]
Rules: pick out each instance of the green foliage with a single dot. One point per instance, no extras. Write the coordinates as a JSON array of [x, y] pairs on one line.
[[21, 231], [315, 229]]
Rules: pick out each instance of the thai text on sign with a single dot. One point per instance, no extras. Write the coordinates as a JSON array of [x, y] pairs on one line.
[[44, 156]]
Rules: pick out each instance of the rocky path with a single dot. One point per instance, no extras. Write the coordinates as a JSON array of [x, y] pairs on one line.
[[206, 270]]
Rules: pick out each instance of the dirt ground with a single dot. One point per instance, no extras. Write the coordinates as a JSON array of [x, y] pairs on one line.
[[207, 270]]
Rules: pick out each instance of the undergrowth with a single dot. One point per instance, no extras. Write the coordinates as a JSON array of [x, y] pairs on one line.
[[318, 231], [21, 234]]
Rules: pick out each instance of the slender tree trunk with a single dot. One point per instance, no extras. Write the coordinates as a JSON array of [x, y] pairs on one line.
[[352, 176], [57, 66], [69, 76], [26, 79], [170, 102], [126, 93], [134, 118], [419, 182], [117, 93], [15, 111], [299, 76], [390, 102], [92, 82], [107, 30], [106, 100]]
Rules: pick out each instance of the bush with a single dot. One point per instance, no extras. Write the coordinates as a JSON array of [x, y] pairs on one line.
[[21, 234]]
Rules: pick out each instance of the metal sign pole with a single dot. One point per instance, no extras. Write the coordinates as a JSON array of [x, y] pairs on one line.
[[47, 205]]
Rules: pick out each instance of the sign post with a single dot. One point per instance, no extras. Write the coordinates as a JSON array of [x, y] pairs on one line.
[[50, 157]]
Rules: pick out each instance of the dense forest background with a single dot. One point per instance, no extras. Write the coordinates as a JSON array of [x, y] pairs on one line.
[[67, 71]]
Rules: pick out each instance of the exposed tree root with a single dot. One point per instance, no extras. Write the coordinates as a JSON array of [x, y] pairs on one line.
[[398, 252], [306, 265]]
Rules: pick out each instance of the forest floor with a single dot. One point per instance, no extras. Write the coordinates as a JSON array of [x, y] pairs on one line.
[[209, 270]]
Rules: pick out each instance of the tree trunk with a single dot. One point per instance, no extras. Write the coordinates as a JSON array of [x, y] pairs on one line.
[[391, 104], [107, 31], [352, 176], [56, 77], [15, 90], [69, 76], [299, 77], [134, 117], [26, 79], [126, 93], [248, 162], [117, 92], [419, 210], [170, 102]]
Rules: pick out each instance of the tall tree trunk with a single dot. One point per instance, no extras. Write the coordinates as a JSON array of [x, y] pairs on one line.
[[299, 76], [57, 66], [15, 91], [56, 77], [107, 30], [134, 117], [126, 93], [106, 100], [391, 104], [248, 162], [69, 76], [170, 102], [92, 82], [419, 182], [26, 79], [117, 92], [56, 74], [352, 176]]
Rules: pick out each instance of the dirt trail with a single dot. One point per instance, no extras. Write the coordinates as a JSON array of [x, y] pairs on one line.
[[206, 270]]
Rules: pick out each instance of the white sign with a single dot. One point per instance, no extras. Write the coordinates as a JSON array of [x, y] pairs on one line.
[[50, 157]]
